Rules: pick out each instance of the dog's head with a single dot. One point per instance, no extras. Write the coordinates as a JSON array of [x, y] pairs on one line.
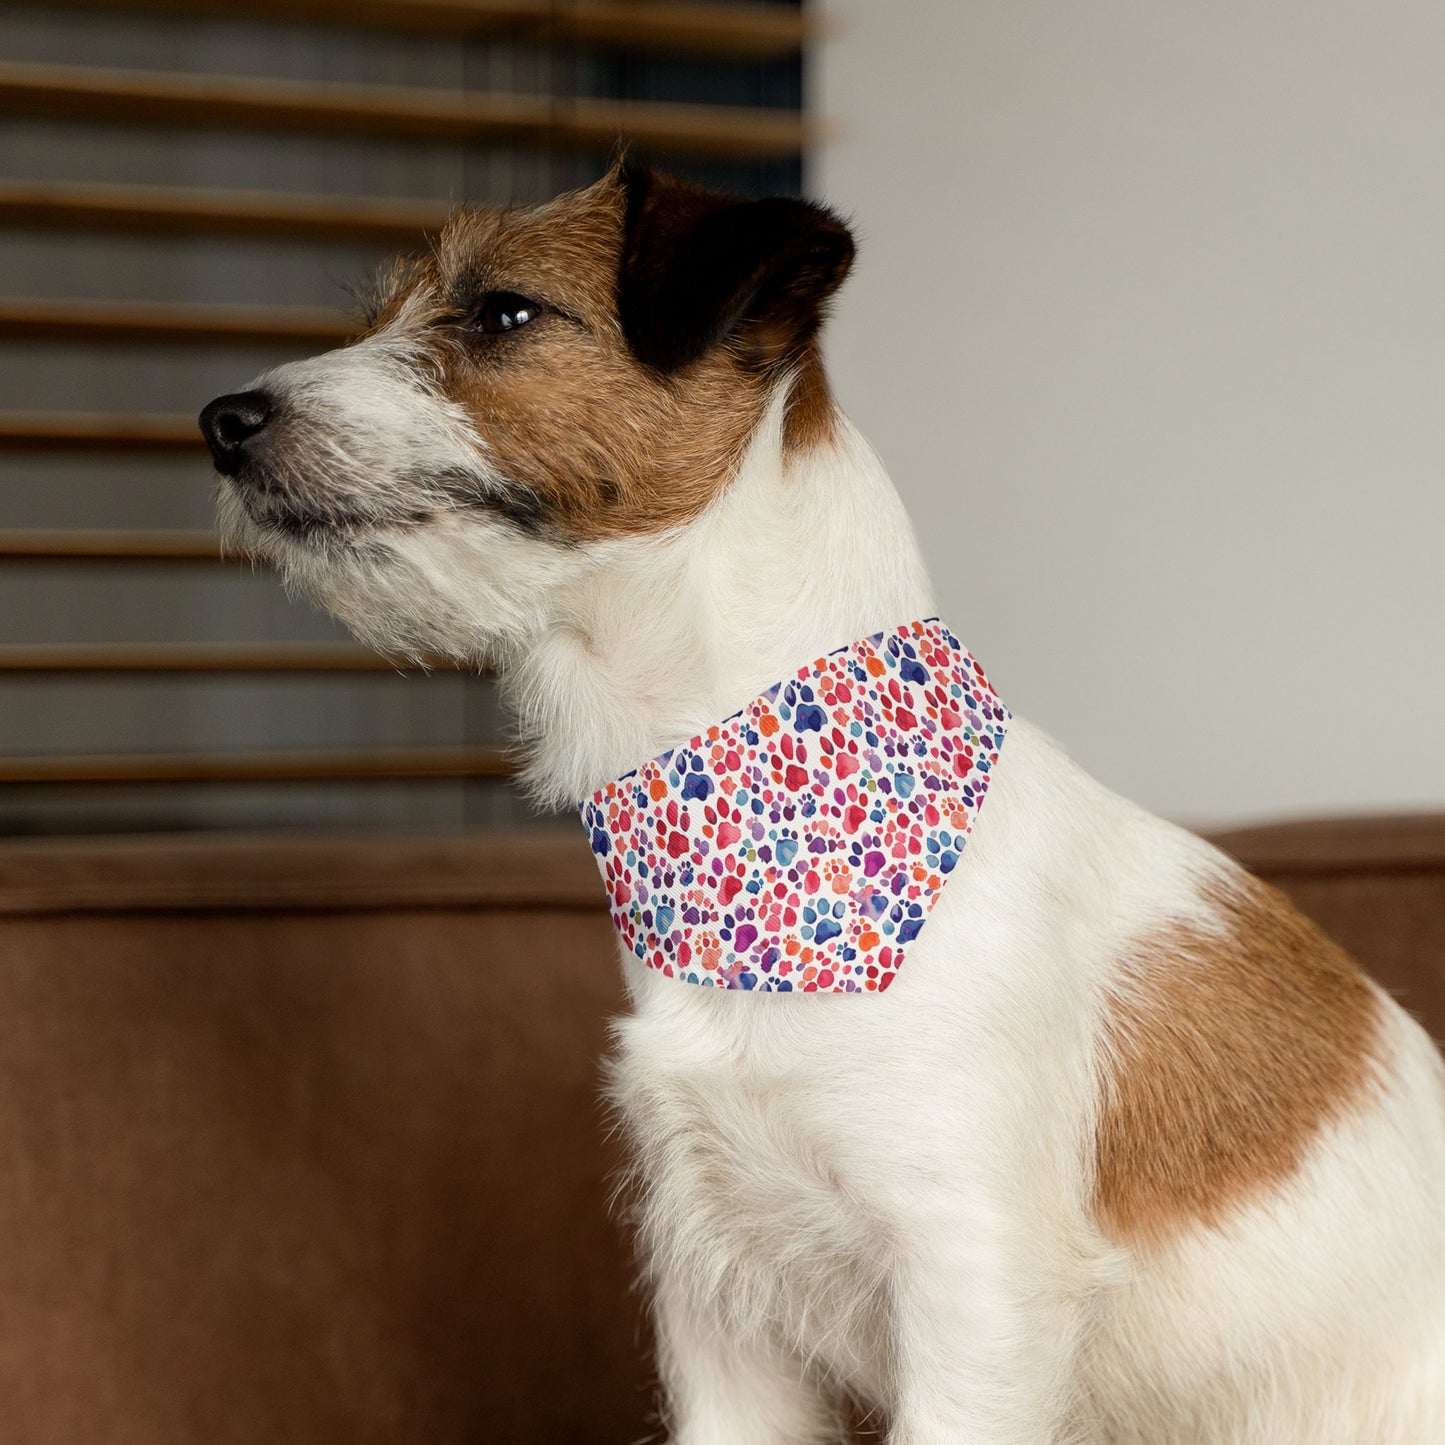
[[544, 383]]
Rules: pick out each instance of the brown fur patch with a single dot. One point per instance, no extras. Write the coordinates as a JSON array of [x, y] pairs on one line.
[[812, 415], [603, 444], [600, 443], [1227, 1052]]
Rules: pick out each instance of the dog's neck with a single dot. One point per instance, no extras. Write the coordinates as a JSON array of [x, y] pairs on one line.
[[804, 552]]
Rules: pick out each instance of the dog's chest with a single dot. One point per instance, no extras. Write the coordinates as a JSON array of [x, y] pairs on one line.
[[748, 1152]]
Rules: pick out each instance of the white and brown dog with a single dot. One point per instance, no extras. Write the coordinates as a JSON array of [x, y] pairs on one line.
[[1130, 1153]]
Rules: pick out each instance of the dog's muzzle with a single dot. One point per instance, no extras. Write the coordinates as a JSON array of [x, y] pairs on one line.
[[231, 422]]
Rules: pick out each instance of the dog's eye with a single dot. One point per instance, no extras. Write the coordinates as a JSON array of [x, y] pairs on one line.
[[504, 311]]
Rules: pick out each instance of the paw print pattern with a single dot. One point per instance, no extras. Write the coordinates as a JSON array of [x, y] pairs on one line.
[[799, 845]]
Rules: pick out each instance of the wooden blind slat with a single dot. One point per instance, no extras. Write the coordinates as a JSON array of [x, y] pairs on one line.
[[217, 102], [271, 766], [761, 32], [83, 544], [227, 103], [186, 657], [171, 323], [77, 431], [755, 32], [172, 211]]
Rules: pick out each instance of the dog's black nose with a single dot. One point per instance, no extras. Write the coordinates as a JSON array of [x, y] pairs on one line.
[[229, 422]]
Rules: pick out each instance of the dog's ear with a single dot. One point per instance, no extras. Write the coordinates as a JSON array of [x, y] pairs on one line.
[[699, 266]]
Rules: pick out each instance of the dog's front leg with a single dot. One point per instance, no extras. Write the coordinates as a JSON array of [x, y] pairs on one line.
[[724, 1386], [985, 1337]]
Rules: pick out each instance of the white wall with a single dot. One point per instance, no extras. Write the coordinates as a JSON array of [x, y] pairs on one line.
[[1149, 324]]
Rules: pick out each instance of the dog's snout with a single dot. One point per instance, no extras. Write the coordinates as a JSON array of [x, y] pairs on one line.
[[229, 422]]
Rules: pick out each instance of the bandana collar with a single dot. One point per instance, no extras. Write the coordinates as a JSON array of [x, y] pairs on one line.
[[800, 844]]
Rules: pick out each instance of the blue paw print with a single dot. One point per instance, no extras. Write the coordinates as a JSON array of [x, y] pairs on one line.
[[696, 785]]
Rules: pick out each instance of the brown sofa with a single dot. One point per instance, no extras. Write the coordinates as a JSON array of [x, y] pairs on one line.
[[302, 1142]]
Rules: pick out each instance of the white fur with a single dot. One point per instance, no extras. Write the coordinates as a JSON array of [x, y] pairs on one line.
[[889, 1195]]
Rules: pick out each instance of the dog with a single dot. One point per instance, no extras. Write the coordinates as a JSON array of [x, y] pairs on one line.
[[1127, 1152]]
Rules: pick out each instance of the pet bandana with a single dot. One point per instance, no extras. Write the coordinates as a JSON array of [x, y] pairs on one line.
[[800, 845]]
